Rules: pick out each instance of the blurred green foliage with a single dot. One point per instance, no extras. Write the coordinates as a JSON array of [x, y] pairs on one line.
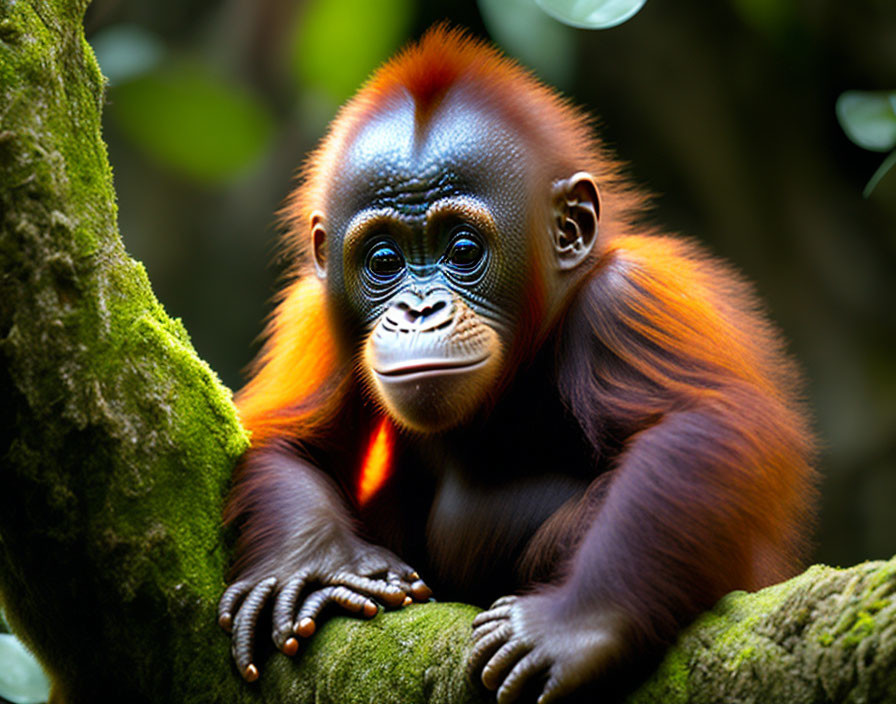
[[198, 122], [336, 44], [193, 120]]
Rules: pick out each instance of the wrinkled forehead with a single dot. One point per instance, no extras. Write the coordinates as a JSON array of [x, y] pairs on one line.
[[462, 147]]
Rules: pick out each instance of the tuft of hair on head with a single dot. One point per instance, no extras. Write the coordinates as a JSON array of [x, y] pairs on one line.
[[448, 57], [443, 57]]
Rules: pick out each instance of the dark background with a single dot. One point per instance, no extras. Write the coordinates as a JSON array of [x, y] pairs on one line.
[[724, 110]]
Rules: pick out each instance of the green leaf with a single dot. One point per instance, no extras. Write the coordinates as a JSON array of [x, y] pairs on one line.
[[193, 121], [336, 44], [869, 119], [882, 170], [591, 14], [22, 681], [125, 51], [530, 35]]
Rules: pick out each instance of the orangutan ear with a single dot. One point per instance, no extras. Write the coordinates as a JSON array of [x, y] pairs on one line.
[[576, 205], [319, 243]]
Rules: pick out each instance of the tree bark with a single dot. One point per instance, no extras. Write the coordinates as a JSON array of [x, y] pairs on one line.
[[118, 443]]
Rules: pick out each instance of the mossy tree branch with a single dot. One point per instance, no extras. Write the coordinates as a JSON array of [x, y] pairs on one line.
[[117, 445]]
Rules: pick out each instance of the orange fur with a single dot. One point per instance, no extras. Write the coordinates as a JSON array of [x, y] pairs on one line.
[[289, 394], [695, 306], [684, 336], [377, 462], [697, 325], [646, 448]]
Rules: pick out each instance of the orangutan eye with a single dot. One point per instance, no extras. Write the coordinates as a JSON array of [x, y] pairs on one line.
[[384, 261], [465, 251]]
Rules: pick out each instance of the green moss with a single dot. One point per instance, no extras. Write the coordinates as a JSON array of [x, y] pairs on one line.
[[861, 629], [878, 605], [676, 675], [743, 654], [414, 654], [886, 575]]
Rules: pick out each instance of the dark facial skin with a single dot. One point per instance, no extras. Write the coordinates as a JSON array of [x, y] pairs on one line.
[[428, 257], [417, 184]]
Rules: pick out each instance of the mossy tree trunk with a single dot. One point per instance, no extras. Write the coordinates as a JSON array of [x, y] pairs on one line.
[[117, 444]]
